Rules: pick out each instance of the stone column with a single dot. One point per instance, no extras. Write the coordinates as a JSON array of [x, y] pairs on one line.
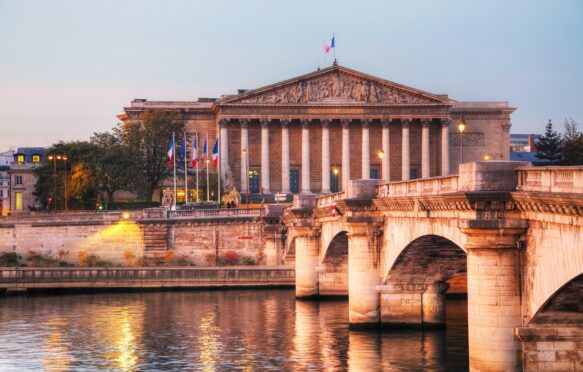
[[285, 156], [363, 275], [265, 156], [244, 154], [425, 173], [433, 299], [325, 156], [307, 258], [365, 149], [386, 165], [493, 293], [224, 147], [405, 153], [345, 153], [445, 147], [306, 157]]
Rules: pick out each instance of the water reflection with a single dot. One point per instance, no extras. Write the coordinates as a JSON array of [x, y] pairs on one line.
[[210, 331]]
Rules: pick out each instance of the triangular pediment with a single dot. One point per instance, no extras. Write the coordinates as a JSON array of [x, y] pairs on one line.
[[337, 85]]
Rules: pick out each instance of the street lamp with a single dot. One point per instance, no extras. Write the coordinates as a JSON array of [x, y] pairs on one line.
[[381, 154], [54, 159], [335, 171], [461, 126], [65, 158]]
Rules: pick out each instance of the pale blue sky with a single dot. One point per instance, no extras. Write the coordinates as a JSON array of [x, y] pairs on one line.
[[68, 67]]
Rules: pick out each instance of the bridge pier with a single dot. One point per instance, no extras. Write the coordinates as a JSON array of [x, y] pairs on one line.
[[307, 258], [363, 275], [406, 305], [493, 293]]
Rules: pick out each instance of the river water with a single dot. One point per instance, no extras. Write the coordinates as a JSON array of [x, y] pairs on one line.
[[213, 331]]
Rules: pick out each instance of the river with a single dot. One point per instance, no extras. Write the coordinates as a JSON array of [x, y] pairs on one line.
[[213, 331]]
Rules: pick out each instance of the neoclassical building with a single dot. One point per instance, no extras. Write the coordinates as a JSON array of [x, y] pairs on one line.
[[313, 133]]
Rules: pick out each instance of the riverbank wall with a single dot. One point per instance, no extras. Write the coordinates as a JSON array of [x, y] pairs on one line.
[[23, 279], [201, 238]]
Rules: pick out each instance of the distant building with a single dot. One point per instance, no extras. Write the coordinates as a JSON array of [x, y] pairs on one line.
[[524, 142], [6, 158], [528, 156], [22, 179], [4, 190]]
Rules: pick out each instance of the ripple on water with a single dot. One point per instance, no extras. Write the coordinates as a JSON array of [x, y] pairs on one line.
[[212, 330]]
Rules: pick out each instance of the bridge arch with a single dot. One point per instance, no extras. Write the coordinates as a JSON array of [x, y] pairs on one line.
[[564, 307], [400, 233], [333, 268]]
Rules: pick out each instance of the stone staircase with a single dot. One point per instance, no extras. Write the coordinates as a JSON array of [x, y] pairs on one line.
[[155, 241]]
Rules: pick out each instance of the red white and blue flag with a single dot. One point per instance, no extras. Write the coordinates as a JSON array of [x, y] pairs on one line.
[[194, 151], [171, 152], [329, 45], [216, 153]]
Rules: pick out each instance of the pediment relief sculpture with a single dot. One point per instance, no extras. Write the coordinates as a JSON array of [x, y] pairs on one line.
[[337, 88]]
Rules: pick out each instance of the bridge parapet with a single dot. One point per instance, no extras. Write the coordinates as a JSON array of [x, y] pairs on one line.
[[551, 179], [330, 199], [475, 176]]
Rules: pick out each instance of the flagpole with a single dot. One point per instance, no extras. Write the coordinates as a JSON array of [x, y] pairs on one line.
[[196, 149], [219, 168], [185, 170], [334, 39], [206, 159], [174, 164]]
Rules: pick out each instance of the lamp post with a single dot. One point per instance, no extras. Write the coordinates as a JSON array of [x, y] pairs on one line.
[[461, 126], [381, 154], [335, 171], [54, 158], [65, 158]]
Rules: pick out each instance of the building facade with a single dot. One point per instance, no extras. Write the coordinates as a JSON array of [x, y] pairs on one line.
[[313, 133], [23, 180]]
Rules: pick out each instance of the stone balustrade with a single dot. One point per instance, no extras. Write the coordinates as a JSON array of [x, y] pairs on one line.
[[204, 213], [551, 179], [330, 199], [420, 187]]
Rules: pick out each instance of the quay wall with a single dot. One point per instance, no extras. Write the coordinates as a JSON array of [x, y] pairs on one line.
[[19, 279], [127, 239]]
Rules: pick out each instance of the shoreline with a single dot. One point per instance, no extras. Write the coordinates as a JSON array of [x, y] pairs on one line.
[[22, 280]]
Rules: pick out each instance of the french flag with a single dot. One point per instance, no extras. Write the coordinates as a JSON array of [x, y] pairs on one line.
[[171, 152], [194, 151], [329, 45], [216, 153]]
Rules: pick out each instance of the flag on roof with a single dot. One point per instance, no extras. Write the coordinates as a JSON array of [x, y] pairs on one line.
[[329, 45]]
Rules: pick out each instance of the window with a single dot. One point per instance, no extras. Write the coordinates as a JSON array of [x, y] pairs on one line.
[[374, 174], [36, 158], [1, 193], [18, 200], [294, 181], [254, 181], [20, 159], [18, 180]]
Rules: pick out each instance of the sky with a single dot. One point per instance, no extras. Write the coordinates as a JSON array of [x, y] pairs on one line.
[[67, 68]]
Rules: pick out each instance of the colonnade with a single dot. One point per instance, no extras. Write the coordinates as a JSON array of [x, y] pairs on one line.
[[309, 125]]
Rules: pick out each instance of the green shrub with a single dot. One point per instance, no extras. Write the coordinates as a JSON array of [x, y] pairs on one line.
[[38, 260], [10, 259], [94, 260], [248, 260]]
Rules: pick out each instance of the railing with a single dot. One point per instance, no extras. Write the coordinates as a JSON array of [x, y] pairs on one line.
[[75, 277], [551, 179], [229, 212], [330, 199], [420, 187]]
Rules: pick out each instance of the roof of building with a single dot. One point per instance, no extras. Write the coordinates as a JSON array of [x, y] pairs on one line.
[[527, 156]]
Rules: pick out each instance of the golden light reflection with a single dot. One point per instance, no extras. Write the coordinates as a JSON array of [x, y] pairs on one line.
[[58, 357], [209, 342], [122, 235]]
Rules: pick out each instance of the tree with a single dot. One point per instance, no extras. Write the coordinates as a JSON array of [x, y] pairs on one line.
[[572, 144], [549, 145], [113, 167], [148, 143]]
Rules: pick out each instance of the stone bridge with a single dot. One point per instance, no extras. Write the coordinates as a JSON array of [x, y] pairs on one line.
[[515, 231]]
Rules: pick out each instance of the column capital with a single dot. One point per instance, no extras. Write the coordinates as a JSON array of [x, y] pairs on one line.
[[345, 123], [425, 123], [325, 123], [305, 123], [224, 123], [244, 123], [445, 121], [285, 123], [264, 123], [405, 122], [386, 123], [365, 122]]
